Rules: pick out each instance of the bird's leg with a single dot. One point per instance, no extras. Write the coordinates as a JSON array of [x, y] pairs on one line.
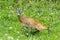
[[29, 31], [48, 30]]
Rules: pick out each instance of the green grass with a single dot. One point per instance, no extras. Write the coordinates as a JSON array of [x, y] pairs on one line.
[[48, 13]]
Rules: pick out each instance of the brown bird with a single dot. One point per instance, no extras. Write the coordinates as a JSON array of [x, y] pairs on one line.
[[30, 23]]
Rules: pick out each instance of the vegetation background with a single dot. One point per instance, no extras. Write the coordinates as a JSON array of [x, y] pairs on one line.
[[45, 11]]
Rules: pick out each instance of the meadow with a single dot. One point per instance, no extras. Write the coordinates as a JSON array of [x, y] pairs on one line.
[[46, 12]]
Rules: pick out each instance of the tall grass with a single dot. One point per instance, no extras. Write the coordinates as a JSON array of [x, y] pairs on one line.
[[46, 12]]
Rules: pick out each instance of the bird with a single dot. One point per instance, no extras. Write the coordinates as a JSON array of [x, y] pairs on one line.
[[30, 23]]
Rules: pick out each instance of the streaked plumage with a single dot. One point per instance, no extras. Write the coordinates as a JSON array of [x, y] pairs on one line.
[[32, 23]]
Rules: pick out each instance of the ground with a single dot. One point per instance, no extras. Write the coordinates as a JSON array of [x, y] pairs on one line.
[[48, 13]]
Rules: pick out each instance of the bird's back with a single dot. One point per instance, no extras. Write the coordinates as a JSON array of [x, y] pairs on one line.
[[32, 23]]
